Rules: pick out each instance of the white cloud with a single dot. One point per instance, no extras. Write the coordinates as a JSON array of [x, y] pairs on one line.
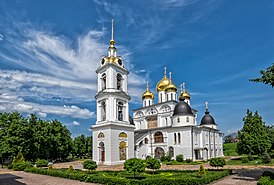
[[75, 123], [1, 37]]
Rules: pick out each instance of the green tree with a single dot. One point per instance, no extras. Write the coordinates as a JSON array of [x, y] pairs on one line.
[[267, 76], [79, 146], [89, 146], [153, 163], [254, 138], [134, 165]]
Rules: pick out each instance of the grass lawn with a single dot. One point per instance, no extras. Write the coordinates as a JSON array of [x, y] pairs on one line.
[[159, 177], [230, 149]]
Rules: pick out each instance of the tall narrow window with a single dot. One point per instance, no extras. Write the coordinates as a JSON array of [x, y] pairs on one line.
[[178, 120], [103, 81], [171, 96], [166, 121], [167, 97], [103, 111], [120, 111], [119, 81], [187, 119], [179, 138], [175, 138], [161, 98]]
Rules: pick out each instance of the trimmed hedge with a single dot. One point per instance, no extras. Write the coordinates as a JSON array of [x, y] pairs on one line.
[[41, 163], [95, 177], [20, 166]]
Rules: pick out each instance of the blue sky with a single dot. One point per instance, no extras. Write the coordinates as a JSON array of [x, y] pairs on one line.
[[49, 51]]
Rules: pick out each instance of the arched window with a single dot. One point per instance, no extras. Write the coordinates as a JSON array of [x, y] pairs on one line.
[[120, 111], [171, 151], [187, 119], [158, 137], [103, 111], [119, 81], [101, 151], [175, 138], [123, 150], [101, 135], [123, 135], [103, 81], [179, 138], [146, 140], [178, 120]]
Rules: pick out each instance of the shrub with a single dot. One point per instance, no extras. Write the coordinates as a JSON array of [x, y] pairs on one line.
[[153, 164], [202, 170], [244, 160], [266, 158], [250, 157], [70, 168], [188, 160], [134, 165], [180, 158], [90, 165], [41, 163], [18, 158], [148, 157], [20, 166], [266, 178], [165, 158], [217, 162], [50, 167]]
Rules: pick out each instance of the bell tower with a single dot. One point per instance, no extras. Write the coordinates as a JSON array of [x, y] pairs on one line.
[[113, 134]]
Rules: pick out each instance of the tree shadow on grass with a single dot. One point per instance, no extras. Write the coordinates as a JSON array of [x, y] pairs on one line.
[[10, 179]]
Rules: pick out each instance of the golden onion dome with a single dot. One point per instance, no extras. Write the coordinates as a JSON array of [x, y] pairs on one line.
[[147, 94], [161, 85], [171, 87], [185, 94]]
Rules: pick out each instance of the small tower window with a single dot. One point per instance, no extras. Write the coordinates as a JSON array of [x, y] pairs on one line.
[[120, 111], [103, 111], [187, 119], [103, 81], [119, 81], [178, 120]]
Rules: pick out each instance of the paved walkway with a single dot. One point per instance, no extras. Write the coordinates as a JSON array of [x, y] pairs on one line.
[[8, 177], [243, 177]]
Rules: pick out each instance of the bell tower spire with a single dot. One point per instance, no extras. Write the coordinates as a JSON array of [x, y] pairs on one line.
[[112, 49]]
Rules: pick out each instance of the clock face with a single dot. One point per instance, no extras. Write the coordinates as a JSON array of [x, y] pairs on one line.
[[120, 62], [103, 61]]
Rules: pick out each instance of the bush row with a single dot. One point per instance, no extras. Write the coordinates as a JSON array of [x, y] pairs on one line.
[[96, 178]]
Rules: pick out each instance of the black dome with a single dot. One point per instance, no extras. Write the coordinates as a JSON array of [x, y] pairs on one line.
[[130, 120], [182, 108], [207, 119]]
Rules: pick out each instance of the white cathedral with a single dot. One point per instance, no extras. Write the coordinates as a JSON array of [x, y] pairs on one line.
[[168, 127]]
